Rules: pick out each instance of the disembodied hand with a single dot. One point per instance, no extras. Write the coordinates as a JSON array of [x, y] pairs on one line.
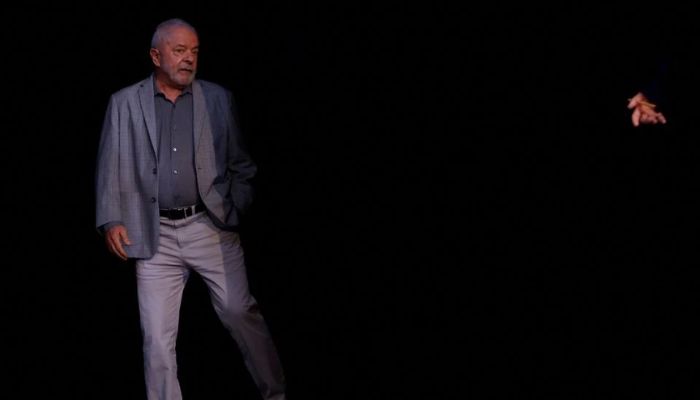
[[644, 112]]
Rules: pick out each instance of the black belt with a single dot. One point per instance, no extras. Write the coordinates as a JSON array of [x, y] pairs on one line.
[[180, 213]]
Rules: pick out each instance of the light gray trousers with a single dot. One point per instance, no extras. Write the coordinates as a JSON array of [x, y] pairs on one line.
[[196, 244]]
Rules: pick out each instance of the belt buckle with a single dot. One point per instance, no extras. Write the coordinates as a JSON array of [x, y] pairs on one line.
[[174, 213]]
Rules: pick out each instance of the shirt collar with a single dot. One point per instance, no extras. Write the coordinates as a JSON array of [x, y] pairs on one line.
[[157, 92]]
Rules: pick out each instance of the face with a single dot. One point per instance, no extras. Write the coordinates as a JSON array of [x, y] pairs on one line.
[[175, 57]]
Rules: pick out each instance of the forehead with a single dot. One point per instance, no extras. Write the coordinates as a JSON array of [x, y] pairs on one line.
[[181, 35]]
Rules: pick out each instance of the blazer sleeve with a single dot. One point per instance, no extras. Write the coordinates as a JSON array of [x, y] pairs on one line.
[[240, 166], [107, 169]]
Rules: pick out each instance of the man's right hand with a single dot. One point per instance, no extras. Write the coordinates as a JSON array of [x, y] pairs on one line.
[[115, 238]]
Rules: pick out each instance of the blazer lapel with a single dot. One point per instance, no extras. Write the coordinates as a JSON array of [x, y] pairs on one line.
[[148, 108], [201, 114]]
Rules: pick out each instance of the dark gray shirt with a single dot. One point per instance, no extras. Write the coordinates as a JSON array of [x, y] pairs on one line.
[[177, 182]]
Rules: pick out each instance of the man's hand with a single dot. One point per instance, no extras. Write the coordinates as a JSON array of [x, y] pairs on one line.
[[115, 238], [644, 111]]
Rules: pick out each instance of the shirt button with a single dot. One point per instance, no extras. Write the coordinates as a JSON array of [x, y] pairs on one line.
[[175, 171], [155, 170], [153, 199], [174, 148]]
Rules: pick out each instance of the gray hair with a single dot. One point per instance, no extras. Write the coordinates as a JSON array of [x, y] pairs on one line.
[[163, 28]]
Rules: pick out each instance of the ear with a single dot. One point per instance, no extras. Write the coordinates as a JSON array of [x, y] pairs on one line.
[[155, 56]]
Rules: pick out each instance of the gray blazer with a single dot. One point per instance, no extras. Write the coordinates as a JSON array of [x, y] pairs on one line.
[[127, 175]]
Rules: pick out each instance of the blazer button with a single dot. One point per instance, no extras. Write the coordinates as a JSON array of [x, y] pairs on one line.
[[153, 199]]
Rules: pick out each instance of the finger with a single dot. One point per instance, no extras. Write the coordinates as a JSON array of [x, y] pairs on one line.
[[124, 237], [636, 114], [114, 246], [662, 118], [655, 117], [635, 100], [110, 241], [118, 250]]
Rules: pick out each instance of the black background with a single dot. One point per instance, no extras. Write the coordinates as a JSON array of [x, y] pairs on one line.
[[450, 203]]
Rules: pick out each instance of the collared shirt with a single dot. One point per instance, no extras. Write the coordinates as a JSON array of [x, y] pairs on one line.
[[177, 182]]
